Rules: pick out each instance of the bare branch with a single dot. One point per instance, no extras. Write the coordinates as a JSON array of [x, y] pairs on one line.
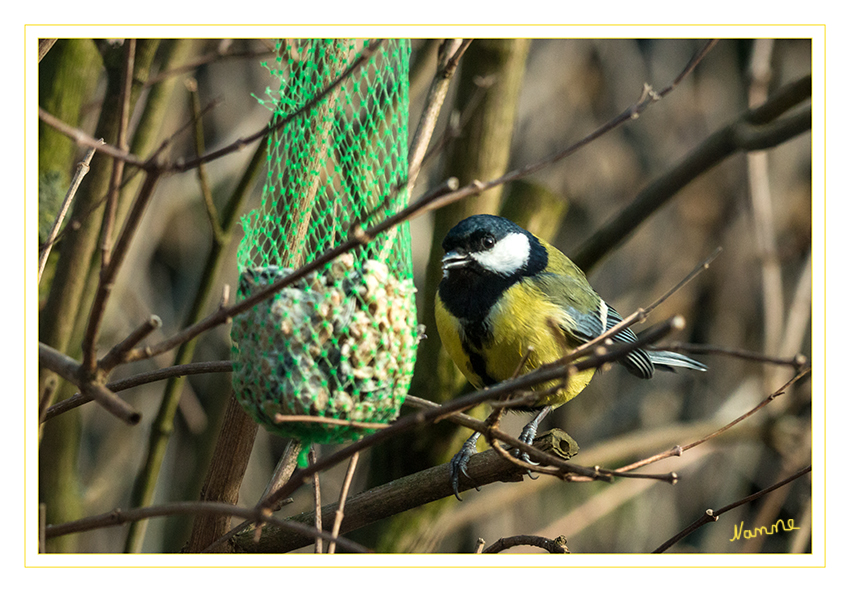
[[203, 180], [426, 203], [713, 516], [343, 495], [108, 274], [355, 65], [678, 450], [449, 57], [109, 211], [317, 500], [180, 165], [139, 379], [82, 168], [695, 272], [558, 545], [208, 59], [83, 139], [70, 370], [116, 355], [799, 362], [747, 132], [117, 517]]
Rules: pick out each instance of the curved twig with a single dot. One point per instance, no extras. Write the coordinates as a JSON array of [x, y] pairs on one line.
[[118, 516], [714, 515], [558, 545]]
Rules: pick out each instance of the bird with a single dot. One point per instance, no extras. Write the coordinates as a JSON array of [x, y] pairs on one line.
[[508, 302]]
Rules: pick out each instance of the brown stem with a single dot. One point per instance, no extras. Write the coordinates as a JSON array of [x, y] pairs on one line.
[[713, 515], [343, 495], [558, 545], [108, 274], [78, 399], [117, 517], [678, 450], [748, 132], [118, 164], [82, 169], [70, 370]]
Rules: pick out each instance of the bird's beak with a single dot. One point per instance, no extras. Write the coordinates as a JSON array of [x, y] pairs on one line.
[[454, 260]]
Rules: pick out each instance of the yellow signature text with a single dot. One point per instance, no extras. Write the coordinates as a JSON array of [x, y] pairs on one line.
[[762, 530]]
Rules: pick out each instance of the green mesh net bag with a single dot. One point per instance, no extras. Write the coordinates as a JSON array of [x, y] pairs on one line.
[[341, 342]]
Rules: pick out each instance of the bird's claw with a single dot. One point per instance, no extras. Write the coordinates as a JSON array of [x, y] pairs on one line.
[[459, 463], [527, 436]]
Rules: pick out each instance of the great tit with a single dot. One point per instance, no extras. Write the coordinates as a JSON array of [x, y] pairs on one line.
[[503, 294]]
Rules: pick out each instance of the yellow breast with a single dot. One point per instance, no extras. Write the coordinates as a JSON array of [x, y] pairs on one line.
[[522, 319]]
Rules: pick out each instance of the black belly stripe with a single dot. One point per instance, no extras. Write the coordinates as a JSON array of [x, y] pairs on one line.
[[477, 334], [474, 337], [479, 366]]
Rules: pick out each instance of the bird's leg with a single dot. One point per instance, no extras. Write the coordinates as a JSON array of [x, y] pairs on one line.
[[460, 460], [529, 432]]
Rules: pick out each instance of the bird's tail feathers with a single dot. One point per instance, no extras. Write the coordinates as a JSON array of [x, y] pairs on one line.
[[669, 361]]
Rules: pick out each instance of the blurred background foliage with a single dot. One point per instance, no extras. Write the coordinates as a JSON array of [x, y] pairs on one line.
[[513, 102]]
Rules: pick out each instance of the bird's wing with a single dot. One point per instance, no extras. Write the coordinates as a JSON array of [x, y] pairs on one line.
[[586, 316]]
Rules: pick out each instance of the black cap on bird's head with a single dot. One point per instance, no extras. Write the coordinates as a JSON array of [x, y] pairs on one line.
[[491, 244]]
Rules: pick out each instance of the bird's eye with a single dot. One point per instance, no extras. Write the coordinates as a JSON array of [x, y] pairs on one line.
[[488, 242]]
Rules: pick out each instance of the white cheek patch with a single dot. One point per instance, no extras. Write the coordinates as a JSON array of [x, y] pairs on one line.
[[506, 256]]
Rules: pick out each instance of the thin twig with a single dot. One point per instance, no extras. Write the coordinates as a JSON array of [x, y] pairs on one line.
[[695, 272], [109, 273], [109, 211], [364, 56], [280, 418], [449, 56], [44, 402], [207, 59], [81, 138], [712, 515], [798, 361], [317, 500], [426, 203], [678, 450], [449, 410], [698, 57], [456, 125], [70, 370], [118, 517], [78, 399], [558, 545], [203, 180], [752, 130], [283, 471], [116, 355], [489, 435], [181, 165], [343, 495], [82, 168]]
